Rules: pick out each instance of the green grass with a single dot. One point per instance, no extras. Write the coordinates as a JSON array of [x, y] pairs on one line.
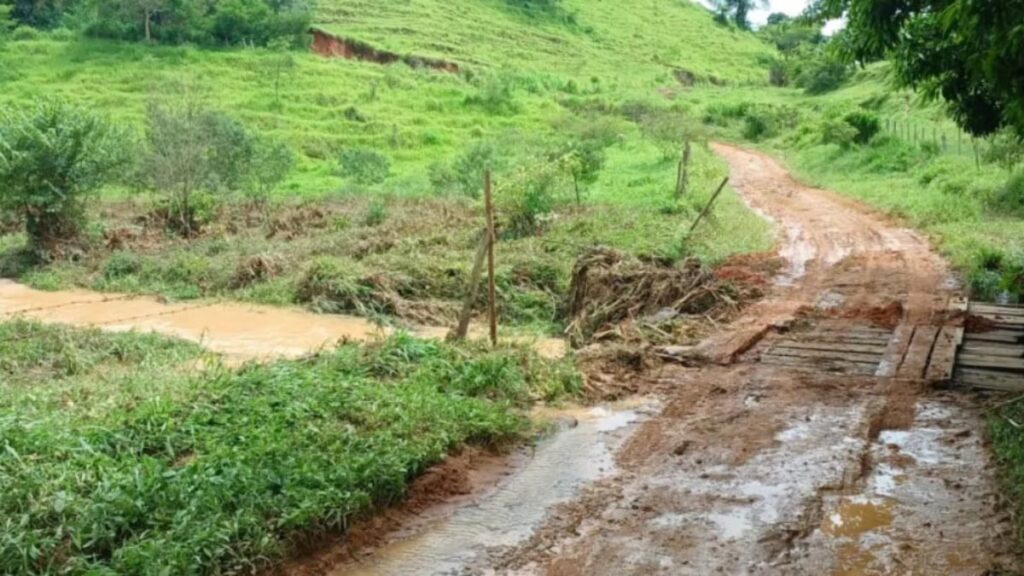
[[1008, 445], [561, 78], [118, 456]]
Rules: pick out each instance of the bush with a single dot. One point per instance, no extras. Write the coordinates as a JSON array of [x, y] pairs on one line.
[[25, 34], [760, 122], [465, 175], [364, 165], [376, 213], [837, 131], [866, 123], [1010, 198], [496, 95], [53, 156], [1005, 149]]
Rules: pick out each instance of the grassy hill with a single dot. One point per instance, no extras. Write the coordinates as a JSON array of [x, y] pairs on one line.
[[529, 84]]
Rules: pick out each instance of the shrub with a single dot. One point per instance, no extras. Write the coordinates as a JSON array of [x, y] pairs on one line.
[[364, 165], [837, 131], [866, 123], [53, 156], [1010, 198], [272, 161], [1005, 149], [24, 34], [376, 213], [465, 175], [760, 122], [496, 95]]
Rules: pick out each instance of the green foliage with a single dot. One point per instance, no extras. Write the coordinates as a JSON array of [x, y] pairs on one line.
[[153, 468], [232, 22], [364, 165], [272, 161], [376, 213], [496, 95], [1005, 148], [53, 156], [866, 124], [41, 14], [465, 175], [736, 11], [838, 131], [1010, 197], [962, 51], [820, 72]]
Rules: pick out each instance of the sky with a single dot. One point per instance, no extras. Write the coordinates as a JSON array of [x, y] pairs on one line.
[[791, 7]]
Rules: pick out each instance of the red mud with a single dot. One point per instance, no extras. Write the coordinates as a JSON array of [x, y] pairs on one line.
[[327, 44]]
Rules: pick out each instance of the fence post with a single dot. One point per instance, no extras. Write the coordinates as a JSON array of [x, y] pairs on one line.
[[707, 207], [462, 329], [492, 311], [682, 178]]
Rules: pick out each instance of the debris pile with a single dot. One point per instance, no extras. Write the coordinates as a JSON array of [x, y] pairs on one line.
[[616, 297]]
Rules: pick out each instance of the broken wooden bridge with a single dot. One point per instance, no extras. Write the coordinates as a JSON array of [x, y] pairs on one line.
[[978, 346]]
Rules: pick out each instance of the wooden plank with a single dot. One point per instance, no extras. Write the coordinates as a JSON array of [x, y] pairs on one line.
[[838, 346], [1008, 336], [820, 365], [852, 338], [1002, 319], [827, 354], [943, 358], [959, 304], [995, 309], [915, 362], [989, 380], [994, 362], [993, 349]]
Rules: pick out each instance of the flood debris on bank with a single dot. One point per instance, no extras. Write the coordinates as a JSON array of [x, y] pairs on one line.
[[617, 297]]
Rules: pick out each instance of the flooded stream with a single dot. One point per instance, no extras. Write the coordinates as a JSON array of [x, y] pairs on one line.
[[240, 332]]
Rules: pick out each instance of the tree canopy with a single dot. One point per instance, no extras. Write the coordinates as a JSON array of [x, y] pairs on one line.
[[969, 53]]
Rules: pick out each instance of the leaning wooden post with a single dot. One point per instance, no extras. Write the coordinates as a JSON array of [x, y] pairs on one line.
[[462, 329], [707, 208], [492, 311]]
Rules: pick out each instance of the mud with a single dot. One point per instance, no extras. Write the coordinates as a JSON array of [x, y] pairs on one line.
[[327, 44], [502, 510], [240, 332], [751, 468]]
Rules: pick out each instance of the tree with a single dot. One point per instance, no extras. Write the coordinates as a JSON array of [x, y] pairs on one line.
[[52, 157], [737, 10], [179, 159], [281, 63], [965, 52]]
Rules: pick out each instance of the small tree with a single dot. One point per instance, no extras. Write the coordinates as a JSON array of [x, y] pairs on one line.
[[52, 157], [272, 161], [281, 64], [179, 160], [585, 161]]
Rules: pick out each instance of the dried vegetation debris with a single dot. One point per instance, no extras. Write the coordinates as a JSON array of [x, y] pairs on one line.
[[613, 296]]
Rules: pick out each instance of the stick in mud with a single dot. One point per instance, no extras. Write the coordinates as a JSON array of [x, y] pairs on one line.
[[462, 329], [492, 312], [707, 207]]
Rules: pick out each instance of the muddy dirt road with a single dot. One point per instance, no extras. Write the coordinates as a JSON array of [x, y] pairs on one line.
[[754, 468]]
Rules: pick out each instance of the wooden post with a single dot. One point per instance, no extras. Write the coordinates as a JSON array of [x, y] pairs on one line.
[[466, 314], [707, 208], [492, 311], [682, 181]]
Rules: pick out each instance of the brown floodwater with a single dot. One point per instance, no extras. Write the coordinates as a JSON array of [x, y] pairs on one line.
[[241, 332]]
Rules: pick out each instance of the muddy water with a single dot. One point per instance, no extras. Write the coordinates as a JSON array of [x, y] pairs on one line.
[[579, 452], [241, 332], [927, 505]]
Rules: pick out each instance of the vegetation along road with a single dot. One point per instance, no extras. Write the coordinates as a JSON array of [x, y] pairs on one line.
[[755, 280]]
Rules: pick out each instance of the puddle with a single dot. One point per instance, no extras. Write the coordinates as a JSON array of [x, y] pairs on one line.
[[241, 332], [856, 516], [558, 467]]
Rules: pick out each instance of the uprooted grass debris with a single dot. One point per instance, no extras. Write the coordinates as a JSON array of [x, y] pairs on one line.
[[616, 296]]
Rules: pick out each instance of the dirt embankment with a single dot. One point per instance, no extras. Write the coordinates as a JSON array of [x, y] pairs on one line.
[[327, 44]]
